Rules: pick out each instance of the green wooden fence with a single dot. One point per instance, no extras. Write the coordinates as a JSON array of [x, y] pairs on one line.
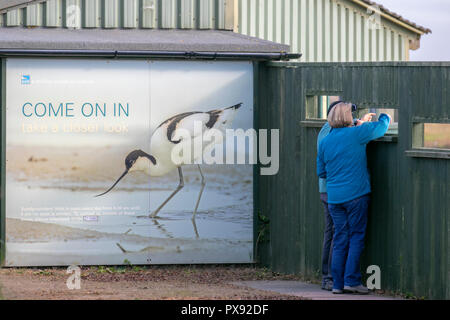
[[409, 230]]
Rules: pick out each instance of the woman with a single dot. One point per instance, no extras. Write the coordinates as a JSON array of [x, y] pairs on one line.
[[327, 278], [342, 161]]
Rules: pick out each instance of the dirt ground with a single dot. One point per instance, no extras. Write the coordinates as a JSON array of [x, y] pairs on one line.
[[139, 283]]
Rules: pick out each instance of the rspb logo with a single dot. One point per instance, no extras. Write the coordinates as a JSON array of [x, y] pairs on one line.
[[26, 79]]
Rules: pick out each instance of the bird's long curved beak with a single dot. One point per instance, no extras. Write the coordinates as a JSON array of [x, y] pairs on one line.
[[123, 175]]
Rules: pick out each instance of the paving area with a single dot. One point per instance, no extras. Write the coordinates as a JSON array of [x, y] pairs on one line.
[[307, 290]]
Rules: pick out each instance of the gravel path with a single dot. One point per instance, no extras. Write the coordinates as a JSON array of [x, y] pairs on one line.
[[136, 283]]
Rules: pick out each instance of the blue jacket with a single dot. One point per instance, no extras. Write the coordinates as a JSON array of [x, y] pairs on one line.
[[322, 134], [342, 160]]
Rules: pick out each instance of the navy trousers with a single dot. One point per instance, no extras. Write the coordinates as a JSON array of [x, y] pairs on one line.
[[350, 222], [327, 247]]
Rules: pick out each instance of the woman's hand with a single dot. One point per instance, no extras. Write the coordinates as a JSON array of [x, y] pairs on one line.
[[368, 117]]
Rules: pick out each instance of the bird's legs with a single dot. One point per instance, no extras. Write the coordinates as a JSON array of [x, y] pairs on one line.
[[200, 194], [198, 200], [180, 186]]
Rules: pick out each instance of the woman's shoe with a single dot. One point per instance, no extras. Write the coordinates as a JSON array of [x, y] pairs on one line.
[[356, 289], [337, 291], [327, 285]]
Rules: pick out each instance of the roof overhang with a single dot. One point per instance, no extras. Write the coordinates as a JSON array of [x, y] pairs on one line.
[[6, 5], [392, 16], [202, 44]]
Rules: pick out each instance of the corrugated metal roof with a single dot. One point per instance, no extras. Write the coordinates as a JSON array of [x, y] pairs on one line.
[[135, 40]]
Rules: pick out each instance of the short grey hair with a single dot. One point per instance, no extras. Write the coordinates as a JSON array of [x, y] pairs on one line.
[[340, 115]]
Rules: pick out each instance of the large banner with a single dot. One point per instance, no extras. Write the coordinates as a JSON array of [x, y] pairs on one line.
[[99, 169]]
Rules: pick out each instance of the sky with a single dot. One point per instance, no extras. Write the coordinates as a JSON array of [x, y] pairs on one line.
[[432, 14]]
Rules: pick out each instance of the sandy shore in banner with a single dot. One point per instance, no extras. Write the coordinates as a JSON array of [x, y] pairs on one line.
[[63, 226], [106, 164]]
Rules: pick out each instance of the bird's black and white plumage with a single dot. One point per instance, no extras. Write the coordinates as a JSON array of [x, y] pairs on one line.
[[210, 119], [166, 137]]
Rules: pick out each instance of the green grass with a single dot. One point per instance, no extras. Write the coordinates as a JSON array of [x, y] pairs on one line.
[[44, 273], [119, 269], [411, 296]]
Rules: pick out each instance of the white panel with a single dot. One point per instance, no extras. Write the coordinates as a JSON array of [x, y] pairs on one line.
[[269, 20], [33, 15], [311, 36], [75, 103], [278, 20], [92, 13], [381, 39], [53, 13], [328, 33], [130, 13], [244, 13], [401, 48], [253, 18], [319, 20], [206, 14], [396, 44], [336, 45], [388, 45], [111, 14], [187, 14], [13, 18], [366, 41], [303, 36], [374, 44], [287, 22], [73, 14], [351, 33], [221, 13], [295, 28], [168, 14], [149, 14], [358, 43], [261, 19], [344, 34]]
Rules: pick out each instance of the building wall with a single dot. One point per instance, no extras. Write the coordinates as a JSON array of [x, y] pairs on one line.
[[184, 14], [322, 30]]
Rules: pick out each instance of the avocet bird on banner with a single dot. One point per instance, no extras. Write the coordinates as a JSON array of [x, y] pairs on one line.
[[163, 141]]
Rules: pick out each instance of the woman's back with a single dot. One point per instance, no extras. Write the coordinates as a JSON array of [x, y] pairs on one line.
[[342, 159]]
